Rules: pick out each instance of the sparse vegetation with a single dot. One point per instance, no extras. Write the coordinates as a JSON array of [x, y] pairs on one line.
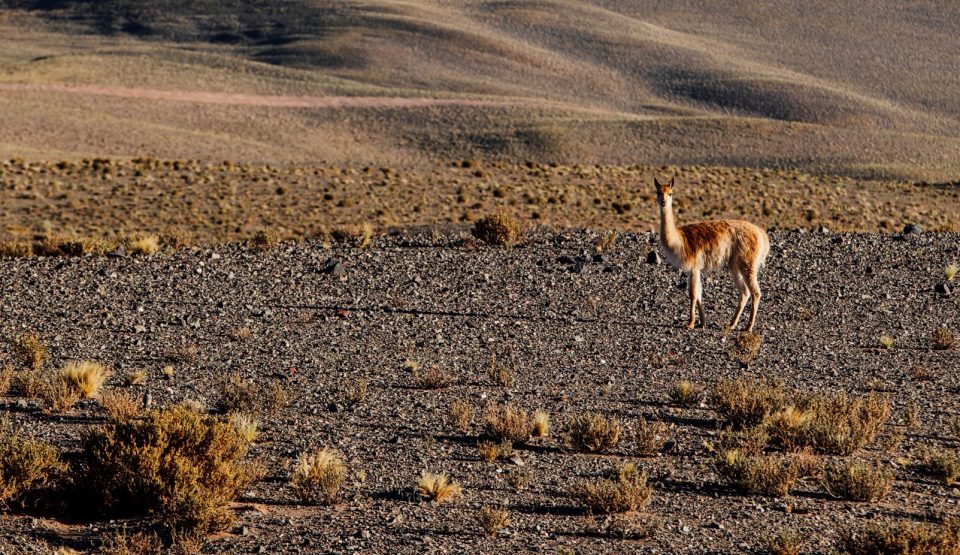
[[744, 403], [500, 374], [903, 538], [246, 425], [783, 542], [25, 465], [519, 479], [950, 271], [355, 392], [745, 348], [437, 487], [857, 480], [264, 240], [507, 422], [833, 424], [138, 543], [490, 451], [497, 229], [461, 415], [686, 394], [119, 405], [29, 352], [493, 520], [541, 424], [885, 341], [359, 236], [317, 477], [942, 339], [143, 244], [650, 437], [432, 378], [626, 491], [940, 464], [239, 395], [593, 433], [757, 474]]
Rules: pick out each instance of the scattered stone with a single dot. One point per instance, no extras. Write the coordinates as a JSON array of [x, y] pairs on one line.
[[943, 289], [911, 229], [653, 258]]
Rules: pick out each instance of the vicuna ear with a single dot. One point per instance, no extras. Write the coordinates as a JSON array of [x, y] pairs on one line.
[[671, 183], [657, 184]]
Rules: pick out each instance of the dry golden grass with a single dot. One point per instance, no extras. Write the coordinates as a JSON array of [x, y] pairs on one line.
[[119, 405], [593, 433], [432, 378], [493, 520], [650, 437], [769, 475], [518, 479], [29, 352], [6, 378], [135, 377], [58, 394], [239, 395], [143, 244], [950, 271], [437, 487], [490, 451], [541, 424], [745, 403], [239, 333], [25, 465], [942, 339], [359, 236], [16, 249], [461, 415], [685, 394], [885, 341], [833, 424], [497, 229], [246, 425], [508, 422], [626, 491], [137, 543], [85, 377], [264, 240], [857, 480], [317, 477], [502, 375], [940, 464], [902, 538]]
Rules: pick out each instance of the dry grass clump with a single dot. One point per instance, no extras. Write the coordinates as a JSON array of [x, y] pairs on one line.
[[745, 348], [500, 374], [650, 437], [143, 244], [685, 394], [29, 352], [626, 491], [264, 240], [593, 433], [857, 480], [541, 424], [119, 405], [833, 424], [54, 245], [134, 378], [942, 465], [359, 236], [317, 477], [246, 425], [138, 543], [432, 378], [757, 474], [240, 333], [437, 487], [508, 422], [461, 415], [783, 542], [903, 538], [239, 395], [943, 339], [885, 341], [6, 378], [519, 479], [744, 403], [355, 392], [59, 394], [177, 465], [490, 451], [85, 377], [497, 229], [16, 249], [25, 465], [493, 520], [951, 271]]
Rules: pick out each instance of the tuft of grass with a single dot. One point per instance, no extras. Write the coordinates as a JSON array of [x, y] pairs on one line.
[[85, 377], [25, 465], [138, 543], [519, 479], [55, 245], [832, 424], [432, 378], [6, 378], [685, 394], [593, 433], [541, 423], [783, 542], [885, 341], [626, 491], [359, 236], [490, 451], [317, 477], [29, 352], [239, 333], [493, 520], [246, 425], [508, 422], [942, 465], [650, 437], [902, 538], [497, 229], [745, 348], [951, 271], [857, 480], [239, 395], [119, 405], [501, 375], [59, 394], [769, 475], [437, 487], [264, 240], [607, 242], [136, 377], [942, 339], [177, 465], [143, 244], [461, 415], [355, 392], [744, 403], [16, 249]]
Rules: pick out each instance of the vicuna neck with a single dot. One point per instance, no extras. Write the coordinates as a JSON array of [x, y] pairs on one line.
[[669, 234]]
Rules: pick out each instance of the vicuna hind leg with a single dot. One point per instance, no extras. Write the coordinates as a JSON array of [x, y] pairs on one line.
[[695, 298], [744, 289], [755, 293]]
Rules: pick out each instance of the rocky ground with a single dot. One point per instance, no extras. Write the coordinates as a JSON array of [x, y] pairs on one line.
[[587, 331]]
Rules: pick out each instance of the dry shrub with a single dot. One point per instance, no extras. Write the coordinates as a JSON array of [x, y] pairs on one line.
[[626, 491], [593, 433], [942, 339], [903, 538], [16, 249], [783, 542], [239, 395], [437, 487], [359, 235], [143, 244], [490, 451], [497, 229], [246, 425], [25, 465], [502, 375], [317, 477], [6, 378], [134, 378], [607, 242], [746, 347], [59, 394], [239, 334], [177, 465], [54, 245], [833, 424], [744, 403], [184, 354], [355, 392], [508, 422], [857, 480], [650, 437], [770, 475], [493, 520], [461, 415], [685, 394], [432, 378], [541, 424], [942, 465], [84, 377], [138, 543], [519, 479], [264, 240], [119, 405], [29, 383], [29, 352]]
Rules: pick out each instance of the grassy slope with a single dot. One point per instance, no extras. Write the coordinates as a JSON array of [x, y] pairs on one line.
[[864, 90]]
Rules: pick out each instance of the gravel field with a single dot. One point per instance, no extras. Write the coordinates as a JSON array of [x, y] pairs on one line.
[[586, 331]]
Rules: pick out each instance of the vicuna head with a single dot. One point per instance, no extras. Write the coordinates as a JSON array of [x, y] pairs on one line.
[[664, 193]]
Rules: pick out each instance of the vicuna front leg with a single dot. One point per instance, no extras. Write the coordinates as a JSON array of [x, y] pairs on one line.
[[696, 300]]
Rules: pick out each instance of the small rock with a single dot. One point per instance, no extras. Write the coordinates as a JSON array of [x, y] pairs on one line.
[[333, 267], [823, 229], [365, 534], [600, 258], [943, 289], [653, 258], [911, 229], [565, 259], [214, 256]]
